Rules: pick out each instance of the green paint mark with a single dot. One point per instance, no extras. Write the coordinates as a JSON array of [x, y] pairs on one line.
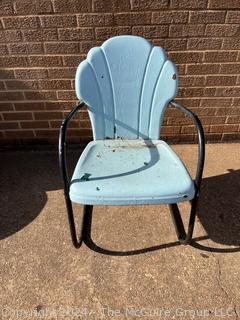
[[85, 177]]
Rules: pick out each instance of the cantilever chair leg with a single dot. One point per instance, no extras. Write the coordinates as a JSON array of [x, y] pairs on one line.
[[77, 242], [183, 236]]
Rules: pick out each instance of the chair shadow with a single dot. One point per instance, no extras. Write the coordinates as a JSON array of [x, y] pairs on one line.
[[25, 178], [218, 212]]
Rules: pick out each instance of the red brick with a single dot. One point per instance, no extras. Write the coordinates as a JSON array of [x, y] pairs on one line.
[[213, 120], [236, 101], [54, 21], [186, 4], [73, 34], [6, 106], [66, 95], [29, 106], [13, 61], [186, 30], [207, 17], [220, 30], [48, 134], [3, 50], [233, 119], [230, 110], [47, 115], [25, 48], [175, 44], [21, 23], [215, 102], [72, 61], [228, 92], [233, 17], [151, 31], [85, 124], [21, 85], [10, 95], [69, 6], [34, 124], [196, 92], [61, 73], [9, 125], [33, 6], [222, 56], [45, 61], [40, 95], [6, 74], [31, 74], [223, 4], [204, 43], [17, 116], [231, 137], [85, 46], [10, 36], [204, 111], [230, 68], [132, 19], [61, 47], [18, 134], [40, 35], [95, 20], [57, 124], [183, 57], [181, 68], [224, 128], [231, 43], [54, 84], [6, 7], [59, 105], [103, 33], [163, 17], [2, 86], [179, 120], [203, 69], [221, 80], [111, 5], [192, 81], [209, 137]]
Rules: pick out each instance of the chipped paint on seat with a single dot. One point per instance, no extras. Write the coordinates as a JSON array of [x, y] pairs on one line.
[[123, 172]]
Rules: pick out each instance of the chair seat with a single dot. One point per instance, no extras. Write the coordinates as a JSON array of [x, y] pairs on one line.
[[130, 172]]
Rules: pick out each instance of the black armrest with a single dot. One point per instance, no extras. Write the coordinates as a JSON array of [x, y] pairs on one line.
[[62, 146], [201, 142]]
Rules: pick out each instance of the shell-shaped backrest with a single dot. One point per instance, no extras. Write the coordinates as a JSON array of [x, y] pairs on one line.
[[126, 84]]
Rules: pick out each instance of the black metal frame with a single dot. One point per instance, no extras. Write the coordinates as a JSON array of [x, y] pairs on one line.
[[183, 236], [66, 182]]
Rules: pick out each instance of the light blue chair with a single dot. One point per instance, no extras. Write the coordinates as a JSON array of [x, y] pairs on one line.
[[127, 85]]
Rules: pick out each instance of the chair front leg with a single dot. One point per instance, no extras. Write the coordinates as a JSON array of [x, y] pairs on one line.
[[77, 242], [183, 236]]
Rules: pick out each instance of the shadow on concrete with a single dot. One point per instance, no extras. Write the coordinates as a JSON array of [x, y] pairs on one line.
[[27, 176], [25, 179]]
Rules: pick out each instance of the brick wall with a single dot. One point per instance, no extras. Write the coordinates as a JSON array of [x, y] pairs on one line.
[[43, 41]]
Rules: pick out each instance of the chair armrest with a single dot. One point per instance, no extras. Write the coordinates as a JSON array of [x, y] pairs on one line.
[[201, 142], [62, 147]]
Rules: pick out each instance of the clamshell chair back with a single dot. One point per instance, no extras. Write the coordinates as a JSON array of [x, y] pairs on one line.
[[126, 83]]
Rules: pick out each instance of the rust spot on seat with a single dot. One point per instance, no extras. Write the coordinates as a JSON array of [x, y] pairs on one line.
[[174, 77]]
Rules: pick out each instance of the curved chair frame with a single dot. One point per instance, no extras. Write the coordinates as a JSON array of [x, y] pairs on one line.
[[183, 236]]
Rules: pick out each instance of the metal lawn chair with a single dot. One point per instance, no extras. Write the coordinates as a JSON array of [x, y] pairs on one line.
[[127, 85]]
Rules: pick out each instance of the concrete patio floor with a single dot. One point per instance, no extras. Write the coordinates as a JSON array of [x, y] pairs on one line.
[[133, 267]]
